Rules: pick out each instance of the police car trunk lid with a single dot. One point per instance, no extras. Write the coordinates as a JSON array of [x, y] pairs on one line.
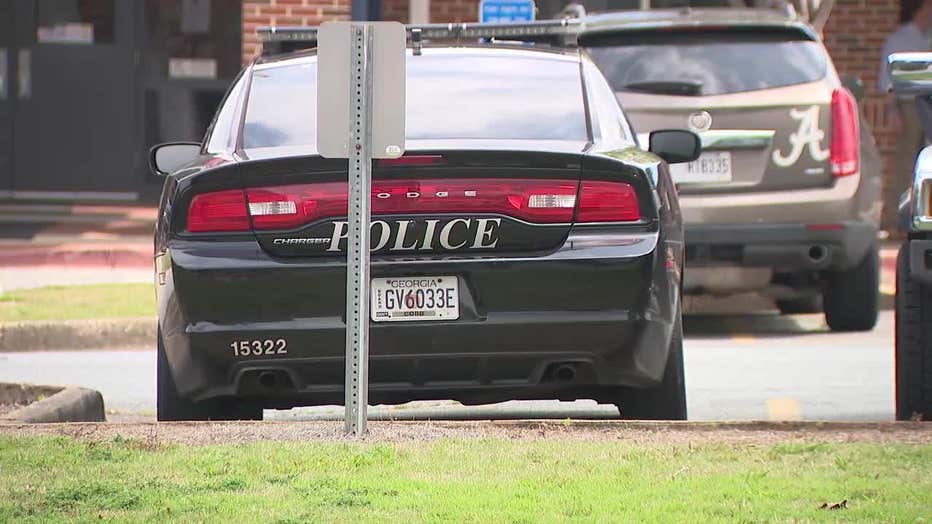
[[437, 202]]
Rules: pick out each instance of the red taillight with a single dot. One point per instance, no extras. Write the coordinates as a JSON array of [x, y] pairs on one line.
[[607, 202], [547, 201], [542, 201], [844, 148], [287, 207], [535, 201], [218, 211]]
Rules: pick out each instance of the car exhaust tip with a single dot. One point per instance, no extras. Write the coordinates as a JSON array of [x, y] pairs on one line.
[[817, 253], [268, 380], [265, 381], [564, 373]]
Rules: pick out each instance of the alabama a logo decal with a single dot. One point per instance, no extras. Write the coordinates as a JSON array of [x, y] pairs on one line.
[[807, 135]]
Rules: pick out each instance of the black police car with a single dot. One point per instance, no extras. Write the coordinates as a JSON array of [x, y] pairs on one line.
[[524, 247]]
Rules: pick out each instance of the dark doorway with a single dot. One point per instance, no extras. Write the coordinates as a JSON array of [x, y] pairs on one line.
[[192, 52], [6, 97], [73, 98], [87, 86]]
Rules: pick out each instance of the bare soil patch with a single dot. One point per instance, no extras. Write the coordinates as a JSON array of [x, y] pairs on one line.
[[750, 433]]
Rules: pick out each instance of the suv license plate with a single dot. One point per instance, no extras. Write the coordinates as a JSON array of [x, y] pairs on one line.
[[710, 167], [405, 299]]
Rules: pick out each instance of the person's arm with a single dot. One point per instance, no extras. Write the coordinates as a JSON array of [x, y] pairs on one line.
[[893, 112], [891, 109], [883, 81]]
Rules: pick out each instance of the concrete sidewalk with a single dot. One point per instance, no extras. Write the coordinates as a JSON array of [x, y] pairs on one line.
[[51, 244]]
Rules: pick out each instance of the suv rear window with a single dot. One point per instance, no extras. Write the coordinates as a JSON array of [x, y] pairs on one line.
[[447, 96], [706, 63]]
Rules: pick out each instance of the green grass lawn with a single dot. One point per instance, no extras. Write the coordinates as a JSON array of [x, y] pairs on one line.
[[495, 480], [77, 302]]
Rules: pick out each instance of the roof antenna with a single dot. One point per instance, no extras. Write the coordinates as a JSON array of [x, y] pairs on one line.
[[416, 41]]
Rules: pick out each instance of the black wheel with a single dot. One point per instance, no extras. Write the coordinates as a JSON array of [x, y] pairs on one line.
[[797, 306], [850, 297], [913, 351], [171, 406], [666, 401]]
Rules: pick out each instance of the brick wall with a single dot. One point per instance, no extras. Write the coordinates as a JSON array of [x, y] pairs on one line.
[[454, 10], [396, 10], [854, 35], [257, 13]]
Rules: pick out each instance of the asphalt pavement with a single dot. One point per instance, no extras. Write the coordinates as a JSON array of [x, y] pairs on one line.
[[738, 367]]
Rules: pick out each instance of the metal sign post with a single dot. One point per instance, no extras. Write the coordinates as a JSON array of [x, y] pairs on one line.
[[356, 383], [357, 123]]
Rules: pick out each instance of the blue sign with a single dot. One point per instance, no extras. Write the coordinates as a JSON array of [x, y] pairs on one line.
[[504, 11]]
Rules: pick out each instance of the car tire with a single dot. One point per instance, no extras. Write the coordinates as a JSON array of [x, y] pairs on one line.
[[170, 406], [666, 401], [850, 300], [913, 354], [798, 306]]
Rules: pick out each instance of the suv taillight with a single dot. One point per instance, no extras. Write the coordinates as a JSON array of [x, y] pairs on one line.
[[844, 148]]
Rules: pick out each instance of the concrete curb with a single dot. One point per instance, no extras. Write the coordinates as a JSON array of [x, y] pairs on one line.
[[24, 394], [77, 334], [71, 404]]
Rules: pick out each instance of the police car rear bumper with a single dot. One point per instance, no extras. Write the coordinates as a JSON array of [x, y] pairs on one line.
[[597, 313]]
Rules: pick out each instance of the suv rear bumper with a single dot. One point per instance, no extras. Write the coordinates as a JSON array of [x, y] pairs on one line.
[[782, 247]]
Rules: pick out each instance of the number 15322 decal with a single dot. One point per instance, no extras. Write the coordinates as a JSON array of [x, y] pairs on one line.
[[257, 348]]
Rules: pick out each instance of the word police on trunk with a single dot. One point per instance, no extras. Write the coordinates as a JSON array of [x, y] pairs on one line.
[[410, 235]]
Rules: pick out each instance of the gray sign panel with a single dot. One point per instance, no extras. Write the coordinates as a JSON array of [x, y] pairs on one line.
[[388, 86]]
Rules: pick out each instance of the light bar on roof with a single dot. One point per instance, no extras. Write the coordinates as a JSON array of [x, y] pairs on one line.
[[568, 26], [287, 34], [562, 32]]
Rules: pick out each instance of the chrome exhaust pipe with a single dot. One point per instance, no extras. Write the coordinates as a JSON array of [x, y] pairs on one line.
[[817, 253]]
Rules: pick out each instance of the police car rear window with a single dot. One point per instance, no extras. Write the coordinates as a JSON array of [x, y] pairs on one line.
[[708, 63], [447, 97]]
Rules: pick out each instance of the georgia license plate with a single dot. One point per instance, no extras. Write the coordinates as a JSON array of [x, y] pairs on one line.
[[711, 166], [415, 298]]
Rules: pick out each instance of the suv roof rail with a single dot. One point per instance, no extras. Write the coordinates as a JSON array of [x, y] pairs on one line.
[[559, 33], [815, 12]]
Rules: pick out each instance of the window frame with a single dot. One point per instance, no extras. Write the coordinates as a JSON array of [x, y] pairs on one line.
[[598, 103], [233, 100]]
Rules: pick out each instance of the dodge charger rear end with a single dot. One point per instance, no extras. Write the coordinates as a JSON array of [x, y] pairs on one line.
[[522, 248]]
